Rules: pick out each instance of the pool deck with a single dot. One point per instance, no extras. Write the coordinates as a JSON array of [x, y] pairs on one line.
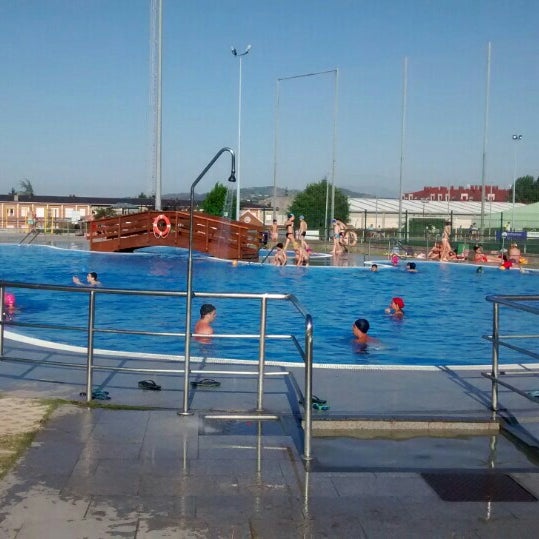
[[149, 472]]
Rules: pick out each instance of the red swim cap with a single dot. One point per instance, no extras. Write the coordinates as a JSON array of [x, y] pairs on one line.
[[399, 302]]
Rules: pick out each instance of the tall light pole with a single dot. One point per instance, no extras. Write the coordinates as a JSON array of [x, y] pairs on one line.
[[403, 134], [516, 138], [240, 55]]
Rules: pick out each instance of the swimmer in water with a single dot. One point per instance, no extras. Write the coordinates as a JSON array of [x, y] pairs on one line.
[[91, 279], [396, 307], [203, 326], [360, 328]]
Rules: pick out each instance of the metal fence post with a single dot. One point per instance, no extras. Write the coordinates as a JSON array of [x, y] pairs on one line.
[[262, 353], [90, 350], [495, 355]]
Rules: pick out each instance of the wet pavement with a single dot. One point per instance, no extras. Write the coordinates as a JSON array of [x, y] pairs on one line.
[[149, 472]]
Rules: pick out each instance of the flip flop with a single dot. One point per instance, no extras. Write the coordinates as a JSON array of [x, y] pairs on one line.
[[534, 394], [99, 394], [205, 382], [317, 406], [316, 400], [149, 384]]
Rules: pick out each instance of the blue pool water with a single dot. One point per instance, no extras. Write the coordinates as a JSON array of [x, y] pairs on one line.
[[446, 311]]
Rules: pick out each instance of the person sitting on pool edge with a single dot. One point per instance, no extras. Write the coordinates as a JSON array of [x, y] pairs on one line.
[[91, 279], [396, 307], [514, 253], [280, 257]]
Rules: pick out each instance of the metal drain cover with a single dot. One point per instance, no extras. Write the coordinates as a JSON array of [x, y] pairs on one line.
[[477, 487]]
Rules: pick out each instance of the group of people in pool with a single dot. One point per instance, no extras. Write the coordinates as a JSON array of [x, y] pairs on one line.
[[203, 328], [296, 238], [361, 326]]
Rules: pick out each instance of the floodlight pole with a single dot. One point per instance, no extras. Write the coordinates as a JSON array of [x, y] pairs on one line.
[[240, 56], [516, 138]]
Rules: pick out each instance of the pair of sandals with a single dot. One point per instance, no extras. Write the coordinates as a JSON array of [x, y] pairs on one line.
[[97, 394], [317, 403]]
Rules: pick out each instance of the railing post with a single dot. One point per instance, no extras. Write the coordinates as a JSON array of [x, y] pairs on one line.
[[308, 427], [495, 354], [90, 351], [262, 353]]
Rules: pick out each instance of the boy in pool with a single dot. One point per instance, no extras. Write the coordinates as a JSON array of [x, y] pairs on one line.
[[207, 315], [396, 307], [91, 279], [360, 329]]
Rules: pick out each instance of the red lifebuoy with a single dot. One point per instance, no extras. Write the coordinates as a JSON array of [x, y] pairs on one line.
[[161, 226]]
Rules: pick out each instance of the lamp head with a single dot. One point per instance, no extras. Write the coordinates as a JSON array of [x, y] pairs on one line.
[[234, 51], [232, 177], [248, 48]]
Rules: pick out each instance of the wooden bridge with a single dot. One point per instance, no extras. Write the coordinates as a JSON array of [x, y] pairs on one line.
[[216, 236]]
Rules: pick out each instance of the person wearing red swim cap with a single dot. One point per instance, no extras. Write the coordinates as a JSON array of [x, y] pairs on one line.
[[396, 307]]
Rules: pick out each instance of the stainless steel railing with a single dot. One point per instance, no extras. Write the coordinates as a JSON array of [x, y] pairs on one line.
[[304, 349], [515, 303]]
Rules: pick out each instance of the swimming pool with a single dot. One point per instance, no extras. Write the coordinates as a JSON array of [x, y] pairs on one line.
[[446, 311]]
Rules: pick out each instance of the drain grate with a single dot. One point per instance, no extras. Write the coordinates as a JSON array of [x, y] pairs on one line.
[[477, 487]]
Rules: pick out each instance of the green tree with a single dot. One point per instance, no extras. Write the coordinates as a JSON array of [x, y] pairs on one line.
[[526, 190], [26, 187], [311, 203], [216, 199], [101, 213]]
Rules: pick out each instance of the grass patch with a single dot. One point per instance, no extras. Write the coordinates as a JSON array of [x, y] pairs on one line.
[[11, 448]]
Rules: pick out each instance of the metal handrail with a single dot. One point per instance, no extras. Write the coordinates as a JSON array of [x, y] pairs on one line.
[[305, 350], [513, 302]]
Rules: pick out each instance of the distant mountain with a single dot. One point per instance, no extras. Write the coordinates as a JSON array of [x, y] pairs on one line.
[[255, 194]]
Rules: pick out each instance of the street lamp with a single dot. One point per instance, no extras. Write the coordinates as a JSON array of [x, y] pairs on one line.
[[516, 138], [240, 55], [231, 178]]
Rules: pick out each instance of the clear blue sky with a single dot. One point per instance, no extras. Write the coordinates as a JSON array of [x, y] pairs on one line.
[[74, 92]]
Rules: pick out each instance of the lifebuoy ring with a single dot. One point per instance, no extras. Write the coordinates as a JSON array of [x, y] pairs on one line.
[[161, 226], [352, 238]]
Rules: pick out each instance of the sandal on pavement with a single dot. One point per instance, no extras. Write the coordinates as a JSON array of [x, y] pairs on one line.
[[316, 400], [149, 384], [205, 382], [97, 394], [317, 406]]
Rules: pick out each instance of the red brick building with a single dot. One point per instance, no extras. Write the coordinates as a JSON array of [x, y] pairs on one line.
[[470, 192]]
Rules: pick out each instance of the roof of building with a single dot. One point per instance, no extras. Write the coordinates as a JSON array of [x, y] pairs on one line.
[[391, 205]]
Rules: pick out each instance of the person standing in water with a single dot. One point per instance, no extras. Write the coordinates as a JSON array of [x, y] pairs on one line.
[[396, 307], [91, 279]]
